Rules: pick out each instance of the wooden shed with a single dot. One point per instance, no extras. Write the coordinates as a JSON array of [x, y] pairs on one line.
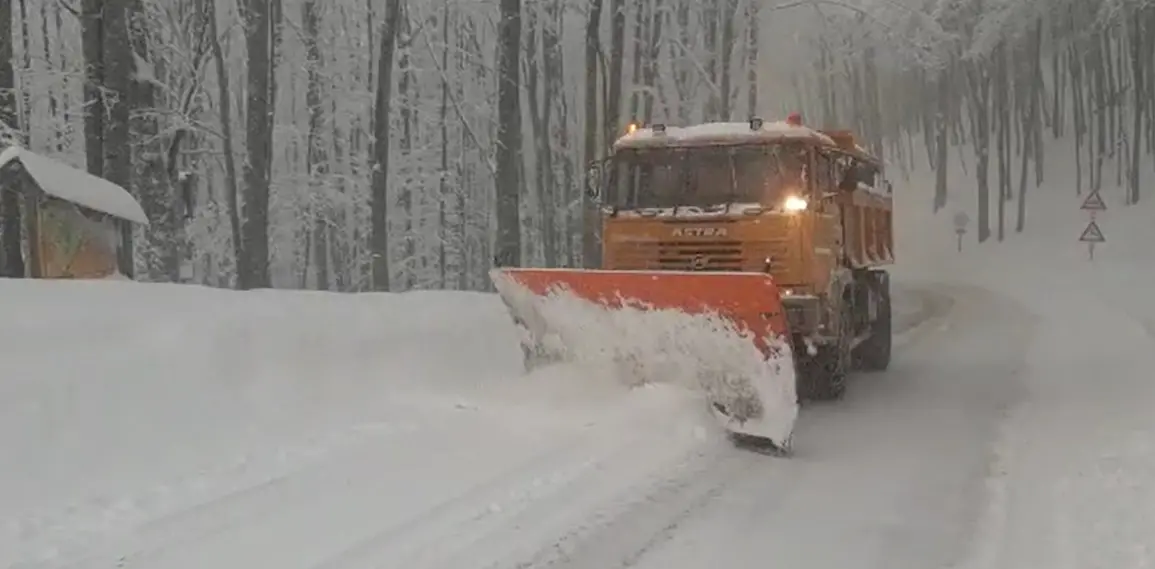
[[71, 218]]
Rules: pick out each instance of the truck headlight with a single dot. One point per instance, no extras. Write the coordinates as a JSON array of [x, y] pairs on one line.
[[794, 204]]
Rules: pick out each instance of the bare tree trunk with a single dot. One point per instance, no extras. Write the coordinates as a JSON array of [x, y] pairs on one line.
[[254, 271], [710, 13], [980, 84], [13, 257], [541, 114], [684, 79], [1002, 136], [752, 39], [316, 162], [533, 193], [591, 218], [379, 230], [224, 95], [344, 243], [1078, 119], [1032, 124], [941, 157], [653, 53], [443, 178], [57, 137], [569, 200], [826, 93], [92, 39], [553, 96], [613, 105], [150, 179], [508, 242], [724, 64], [118, 71], [406, 89], [1140, 94], [465, 32], [26, 67], [639, 42]]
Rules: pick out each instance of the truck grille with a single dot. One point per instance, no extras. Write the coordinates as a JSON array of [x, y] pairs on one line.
[[702, 256], [697, 256]]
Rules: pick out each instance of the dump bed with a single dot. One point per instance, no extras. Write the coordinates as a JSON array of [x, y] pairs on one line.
[[869, 228], [868, 212]]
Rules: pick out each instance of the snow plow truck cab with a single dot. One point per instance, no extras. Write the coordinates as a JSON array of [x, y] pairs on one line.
[[782, 229]]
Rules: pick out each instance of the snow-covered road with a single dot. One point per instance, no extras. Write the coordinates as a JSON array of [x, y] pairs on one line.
[[953, 457], [891, 477]]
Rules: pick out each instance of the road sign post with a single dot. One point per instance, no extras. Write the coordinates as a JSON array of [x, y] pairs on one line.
[[1092, 234], [961, 220], [1094, 203]]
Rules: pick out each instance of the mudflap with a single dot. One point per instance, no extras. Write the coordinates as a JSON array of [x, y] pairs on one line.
[[722, 333]]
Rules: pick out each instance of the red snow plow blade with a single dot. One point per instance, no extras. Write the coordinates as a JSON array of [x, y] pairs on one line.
[[727, 330]]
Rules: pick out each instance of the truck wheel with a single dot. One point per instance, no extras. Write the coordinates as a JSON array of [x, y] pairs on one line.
[[822, 377], [874, 353]]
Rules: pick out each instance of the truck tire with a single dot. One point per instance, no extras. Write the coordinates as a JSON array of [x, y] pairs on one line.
[[822, 377], [874, 353]]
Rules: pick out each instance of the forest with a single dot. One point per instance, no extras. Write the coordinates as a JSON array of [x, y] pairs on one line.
[[391, 145]]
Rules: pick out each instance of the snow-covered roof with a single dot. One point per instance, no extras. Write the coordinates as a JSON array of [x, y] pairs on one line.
[[719, 133], [62, 181]]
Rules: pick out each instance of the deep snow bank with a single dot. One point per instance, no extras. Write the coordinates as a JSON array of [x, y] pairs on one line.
[[1070, 482], [136, 384], [123, 403]]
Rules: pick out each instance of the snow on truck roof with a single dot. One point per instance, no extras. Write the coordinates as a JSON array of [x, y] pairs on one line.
[[62, 181], [720, 133]]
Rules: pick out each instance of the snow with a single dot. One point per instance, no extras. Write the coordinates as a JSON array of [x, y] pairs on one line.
[[695, 212], [1070, 477], [719, 133], [699, 352], [167, 426], [77, 186]]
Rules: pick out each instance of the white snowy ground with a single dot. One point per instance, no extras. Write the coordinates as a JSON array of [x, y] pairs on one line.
[[177, 427]]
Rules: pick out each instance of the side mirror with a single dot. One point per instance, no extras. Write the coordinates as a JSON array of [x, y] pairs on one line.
[[594, 181]]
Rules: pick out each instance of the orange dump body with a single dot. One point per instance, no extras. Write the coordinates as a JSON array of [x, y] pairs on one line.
[[749, 300]]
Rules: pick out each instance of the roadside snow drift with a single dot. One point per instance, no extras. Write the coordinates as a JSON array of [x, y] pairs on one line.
[[178, 426]]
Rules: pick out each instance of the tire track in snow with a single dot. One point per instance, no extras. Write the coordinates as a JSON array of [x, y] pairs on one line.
[[627, 506], [106, 518], [855, 462], [658, 492], [621, 536], [302, 507], [495, 526], [250, 504]]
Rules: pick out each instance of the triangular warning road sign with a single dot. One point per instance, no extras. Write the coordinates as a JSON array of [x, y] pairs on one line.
[[1094, 202], [1092, 234]]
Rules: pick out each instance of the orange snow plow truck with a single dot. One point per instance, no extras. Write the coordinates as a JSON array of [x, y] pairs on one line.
[[747, 255]]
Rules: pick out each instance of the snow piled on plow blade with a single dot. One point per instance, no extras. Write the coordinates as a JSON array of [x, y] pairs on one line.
[[749, 392]]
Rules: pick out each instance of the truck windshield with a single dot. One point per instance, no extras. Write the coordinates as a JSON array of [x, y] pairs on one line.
[[705, 176]]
